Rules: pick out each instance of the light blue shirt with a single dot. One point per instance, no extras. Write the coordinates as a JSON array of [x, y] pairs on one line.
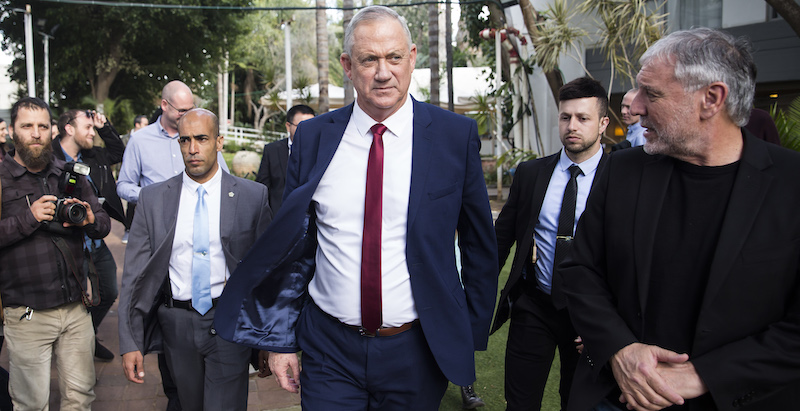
[[636, 134], [547, 226], [151, 156]]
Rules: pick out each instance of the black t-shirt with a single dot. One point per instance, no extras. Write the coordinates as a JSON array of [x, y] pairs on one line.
[[686, 239]]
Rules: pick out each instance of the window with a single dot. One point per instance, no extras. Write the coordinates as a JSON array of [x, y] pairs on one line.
[[705, 13]]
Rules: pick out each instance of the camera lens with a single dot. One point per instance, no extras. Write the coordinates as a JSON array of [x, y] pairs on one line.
[[73, 213]]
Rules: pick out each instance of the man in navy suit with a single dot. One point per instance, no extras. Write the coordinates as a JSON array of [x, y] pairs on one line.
[[309, 282], [272, 172]]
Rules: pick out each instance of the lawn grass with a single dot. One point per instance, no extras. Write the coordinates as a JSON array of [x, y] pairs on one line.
[[489, 367]]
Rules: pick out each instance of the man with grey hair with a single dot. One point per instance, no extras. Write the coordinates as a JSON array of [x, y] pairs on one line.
[[357, 269], [683, 282]]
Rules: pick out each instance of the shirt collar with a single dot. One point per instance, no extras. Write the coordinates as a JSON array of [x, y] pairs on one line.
[[162, 131], [213, 183], [55, 167], [635, 127], [587, 167], [396, 123]]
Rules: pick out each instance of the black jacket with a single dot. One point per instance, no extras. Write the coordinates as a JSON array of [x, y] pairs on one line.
[[100, 159]]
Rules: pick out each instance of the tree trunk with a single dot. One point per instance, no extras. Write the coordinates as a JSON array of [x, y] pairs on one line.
[[498, 20], [433, 51], [531, 17], [347, 15], [322, 57], [789, 10], [105, 77]]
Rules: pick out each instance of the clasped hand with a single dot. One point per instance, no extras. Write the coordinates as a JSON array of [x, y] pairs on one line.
[[652, 378]]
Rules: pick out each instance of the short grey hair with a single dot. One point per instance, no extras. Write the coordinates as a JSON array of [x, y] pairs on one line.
[[703, 56], [373, 13]]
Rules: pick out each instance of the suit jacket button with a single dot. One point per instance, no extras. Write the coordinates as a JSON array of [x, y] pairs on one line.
[[212, 331]]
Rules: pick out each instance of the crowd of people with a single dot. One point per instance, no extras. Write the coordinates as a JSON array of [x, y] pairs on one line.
[[664, 273]]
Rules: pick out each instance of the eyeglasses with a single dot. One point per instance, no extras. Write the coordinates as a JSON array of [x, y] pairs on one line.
[[180, 111]]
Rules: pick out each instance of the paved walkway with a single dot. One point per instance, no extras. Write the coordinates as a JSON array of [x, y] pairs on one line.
[[115, 393]]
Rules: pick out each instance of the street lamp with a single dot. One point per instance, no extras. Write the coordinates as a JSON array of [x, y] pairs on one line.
[[40, 23], [288, 57]]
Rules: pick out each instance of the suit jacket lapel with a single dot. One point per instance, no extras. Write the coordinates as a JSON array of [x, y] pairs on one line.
[[283, 155], [420, 159], [330, 136], [747, 197], [653, 189], [228, 200]]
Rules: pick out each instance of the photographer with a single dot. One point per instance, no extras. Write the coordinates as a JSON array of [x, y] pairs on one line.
[[75, 142], [41, 281]]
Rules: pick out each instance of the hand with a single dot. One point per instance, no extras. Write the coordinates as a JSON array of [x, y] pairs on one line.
[[280, 364], [133, 366], [683, 378], [89, 214], [99, 119], [643, 388], [579, 344], [263, 364], [44, 208]]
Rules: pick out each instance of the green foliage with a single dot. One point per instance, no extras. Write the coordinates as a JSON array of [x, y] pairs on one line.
[[788, 124], [513, 157], [627, 29], [123, 52], [557, 36]]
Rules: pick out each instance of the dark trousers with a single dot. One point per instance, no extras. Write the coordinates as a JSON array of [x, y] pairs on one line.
[[107, 274], [210, 373], [342, 370], [537, 328]]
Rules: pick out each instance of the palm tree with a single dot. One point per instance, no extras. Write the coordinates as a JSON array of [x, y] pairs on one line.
[[347, 15], [433, 50]]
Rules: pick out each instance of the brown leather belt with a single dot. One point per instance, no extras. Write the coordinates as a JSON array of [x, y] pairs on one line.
[[382, 332]]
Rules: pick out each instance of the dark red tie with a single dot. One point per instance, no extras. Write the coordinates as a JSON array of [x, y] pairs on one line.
[[371, 243]]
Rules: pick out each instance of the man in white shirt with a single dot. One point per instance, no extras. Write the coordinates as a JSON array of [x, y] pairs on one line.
[[188, 236], [375, 193]]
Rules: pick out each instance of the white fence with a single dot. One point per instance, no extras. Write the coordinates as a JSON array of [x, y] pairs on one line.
[[251, 138]]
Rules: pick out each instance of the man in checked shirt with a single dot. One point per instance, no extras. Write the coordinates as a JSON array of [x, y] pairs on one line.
[[41, 283]]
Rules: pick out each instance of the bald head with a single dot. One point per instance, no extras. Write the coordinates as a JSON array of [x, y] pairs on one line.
[[176, 100], [200, 141]]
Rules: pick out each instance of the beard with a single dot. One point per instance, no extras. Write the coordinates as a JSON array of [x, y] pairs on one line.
[[34, 159], [675, 137]]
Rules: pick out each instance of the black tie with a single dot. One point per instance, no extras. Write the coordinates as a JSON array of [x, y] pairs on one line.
[[566, 220]]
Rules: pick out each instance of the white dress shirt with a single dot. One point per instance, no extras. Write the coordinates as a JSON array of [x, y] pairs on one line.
[[180, 262], [339, 204], [547, 226]]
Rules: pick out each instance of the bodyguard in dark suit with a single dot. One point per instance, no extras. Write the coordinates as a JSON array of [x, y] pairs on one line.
[[188, 235], [684, 278], [309, 282], [274, 159], [532, 218]]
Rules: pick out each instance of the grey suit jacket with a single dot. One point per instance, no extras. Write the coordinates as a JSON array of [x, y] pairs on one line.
[[245, 215]]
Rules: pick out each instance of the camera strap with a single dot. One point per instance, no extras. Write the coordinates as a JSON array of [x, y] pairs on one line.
[[94, 279]]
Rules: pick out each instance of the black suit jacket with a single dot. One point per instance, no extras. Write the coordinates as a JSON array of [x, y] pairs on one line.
[[272, 172], [516, 223], [746, 346]]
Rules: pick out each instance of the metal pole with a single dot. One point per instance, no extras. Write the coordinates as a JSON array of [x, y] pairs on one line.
[[46, 79], [28, 20], [499, 114], [288, 57]]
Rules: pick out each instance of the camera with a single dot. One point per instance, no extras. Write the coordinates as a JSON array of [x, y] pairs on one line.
[[73, 213]]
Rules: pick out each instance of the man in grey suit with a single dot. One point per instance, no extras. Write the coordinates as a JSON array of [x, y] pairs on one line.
[[181, 251]]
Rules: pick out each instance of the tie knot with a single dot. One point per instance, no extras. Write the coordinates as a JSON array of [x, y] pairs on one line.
[[201, 191], [575, 171], [378, 130]]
